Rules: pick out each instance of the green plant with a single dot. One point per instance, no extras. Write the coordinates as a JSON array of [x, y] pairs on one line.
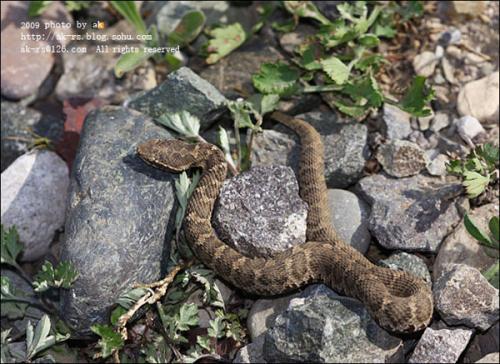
[[478, 170], [15, 301], [491, 241], [38, 7], [341, 60]]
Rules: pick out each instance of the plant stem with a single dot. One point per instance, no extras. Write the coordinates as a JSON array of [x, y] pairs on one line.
[[230, 164]]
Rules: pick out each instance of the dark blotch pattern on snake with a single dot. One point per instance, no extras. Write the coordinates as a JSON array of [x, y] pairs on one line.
[[397, 301]]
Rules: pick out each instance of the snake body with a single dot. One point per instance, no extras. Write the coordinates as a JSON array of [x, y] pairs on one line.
[[396, 300]]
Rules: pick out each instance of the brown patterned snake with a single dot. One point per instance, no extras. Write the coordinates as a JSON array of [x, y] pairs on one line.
[[398, 301]]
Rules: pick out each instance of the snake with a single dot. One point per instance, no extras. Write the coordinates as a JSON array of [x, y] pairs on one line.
[[396, 300]]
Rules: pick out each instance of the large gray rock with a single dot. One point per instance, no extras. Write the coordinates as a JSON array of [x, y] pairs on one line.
[[34, 193], [324, 327], [346, 148], [409, 263], [182, 90], [350, 216], [17, 124], [395, 122], [259, 212], [401, 158], [463, 296], [460, 247], [441, 345], [413, 213], [119, 219], [483, 344]]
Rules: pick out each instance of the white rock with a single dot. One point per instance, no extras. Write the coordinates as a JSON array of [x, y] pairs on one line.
[[425, 63], [34, 192], [441, 345], [468, 127], [437, 167], [441, 120], [490, 358], [480, 98]]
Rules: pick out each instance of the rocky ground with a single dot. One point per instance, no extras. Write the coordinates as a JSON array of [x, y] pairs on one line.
[[76, 191]]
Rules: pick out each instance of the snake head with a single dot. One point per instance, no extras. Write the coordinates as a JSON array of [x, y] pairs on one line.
[[171, 154]]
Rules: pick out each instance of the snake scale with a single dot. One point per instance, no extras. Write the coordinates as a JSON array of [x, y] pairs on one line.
[[396, 300]]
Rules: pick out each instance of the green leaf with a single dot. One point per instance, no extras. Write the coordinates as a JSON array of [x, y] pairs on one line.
[[490, 153], [77, 5], [62, 276], [13, 304], [41, 339], [386, 31], [188, 29], [10, 246], [129, 298], [183, 123], [216, 328], [264, 104], [305, 9], [129, 61], [492, 274], [356, 111], [417, 97], [365, 91], [224, 40], [129, 11], [454, 166], [5, 356], [116, 314], [369, 40], [335, 69], [494, 228], [412, 9], [158, 351], [241, 111], [285, 27], [476, 232], [38, 7], [310, 58], [276, 78], [475, 183], [110, 340], [204, 342], [370, 61], [188, 316]]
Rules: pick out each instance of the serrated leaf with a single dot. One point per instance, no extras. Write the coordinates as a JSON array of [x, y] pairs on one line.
[[40, 339], [365, 91], [276, 78], [474, 183], [356, 111], [285, 27], [490, 153], [264, 104], [183, 123], [224, 40], [373, 60], [417, 97], [216, 328], [369, 40], [12, 300], [454, 166], [62, 276], [188, 316], [109, 341], [10, 246], [476, 232], [335, 69], [129, 61], [188, 28], [204, 342]]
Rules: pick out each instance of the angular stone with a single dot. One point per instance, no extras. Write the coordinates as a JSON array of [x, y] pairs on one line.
[[483, 344], [119, 219], [34, 193], [409, 263], [480, 98], [461, 248], [17, 124], [259, 212], [412, 214], [437, 167], [182, 90], [324, 327], [463, 296], [401, 158], [21, 76], [251, 353], [468, 128], [395, 122], [345, 144], [425, 63], [350, 216], [490, 358], [441, 346]]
